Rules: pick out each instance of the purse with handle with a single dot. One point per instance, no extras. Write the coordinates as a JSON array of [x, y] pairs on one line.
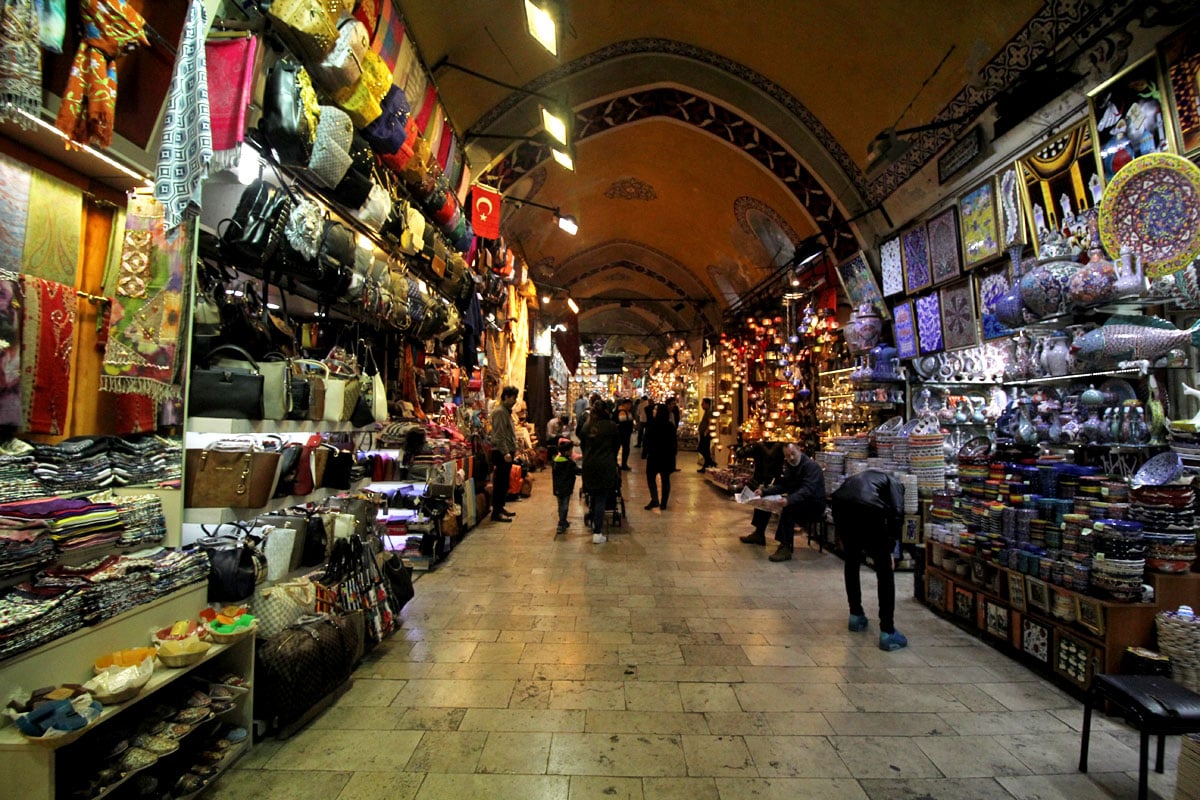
[[230, 473], [233, 389]]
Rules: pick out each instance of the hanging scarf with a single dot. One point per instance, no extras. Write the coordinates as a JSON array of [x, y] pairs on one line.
[[230, 86], [14, 211], [147, 292], [48, 333], [10, 351], [20, 61], [52, 21], [187, 134], [111, 28], [53, 230]]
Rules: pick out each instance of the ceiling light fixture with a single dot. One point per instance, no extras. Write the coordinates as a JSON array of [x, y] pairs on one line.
[[566, 222], [563, 157], [571, 304], [808, 251], [555, 123], [542, 23], [545, 298]]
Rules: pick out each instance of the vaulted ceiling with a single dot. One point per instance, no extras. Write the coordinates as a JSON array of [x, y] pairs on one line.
[[714, 135]]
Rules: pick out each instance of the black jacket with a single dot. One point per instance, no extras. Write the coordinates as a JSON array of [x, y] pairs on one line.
[[873, 489], [660, 446], [804, 485], [564, 470]]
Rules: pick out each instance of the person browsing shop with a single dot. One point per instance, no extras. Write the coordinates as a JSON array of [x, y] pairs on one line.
[[503, 438], [801, 485]]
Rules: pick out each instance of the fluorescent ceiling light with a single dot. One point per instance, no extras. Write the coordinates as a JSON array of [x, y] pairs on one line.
[[41, 123], [571, 304], [563, 158], [568, 224], [545, 298], [555, 125], [541, 26]]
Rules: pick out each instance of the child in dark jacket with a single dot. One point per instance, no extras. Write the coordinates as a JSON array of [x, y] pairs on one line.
[[564, 470]]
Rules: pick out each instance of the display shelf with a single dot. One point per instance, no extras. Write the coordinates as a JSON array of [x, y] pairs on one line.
[[1116, 373], [227, 763], [243, 426], [837, 372], [956, 384], [218, 516], [837, 396]]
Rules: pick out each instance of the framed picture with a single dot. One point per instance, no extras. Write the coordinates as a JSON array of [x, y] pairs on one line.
[[1181, 67], [964, 603], [945, 261], [1035, 639], [991, 283], [927, 310], [1011, 220], [935, 590], [859, 283], [1090, 613], [905, 330], [1037, 594], [911, 532], [959, 324], [978, 222], [915, 252], [1073, 658], [891, 267], [1129, 117], [1016, 590], [996, 620], [1060, 187]]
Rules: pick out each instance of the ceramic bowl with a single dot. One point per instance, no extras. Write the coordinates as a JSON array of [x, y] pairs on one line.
[[1164, 468]]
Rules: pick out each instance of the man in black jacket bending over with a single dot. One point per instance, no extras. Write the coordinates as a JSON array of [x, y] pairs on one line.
[[802, 485], [868, 510]]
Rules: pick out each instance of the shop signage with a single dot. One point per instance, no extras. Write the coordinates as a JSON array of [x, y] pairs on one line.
[[962, 154]]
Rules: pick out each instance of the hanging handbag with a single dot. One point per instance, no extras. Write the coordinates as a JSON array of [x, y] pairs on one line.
[[306, 480], [342, 68], [374, 388], [306, 26], [252, 236], [330, 157], [235, 563], [230, 473], [281, 605], [341, 393], [337, 468], [289, 468], [288, 123], [316, 385], [234, 392], [276, 370]]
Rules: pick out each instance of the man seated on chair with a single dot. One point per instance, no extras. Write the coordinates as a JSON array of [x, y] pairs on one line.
[[801, 485]]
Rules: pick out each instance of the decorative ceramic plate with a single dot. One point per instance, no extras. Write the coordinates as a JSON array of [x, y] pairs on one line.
[[1160, 470], [976, 447], [1118, 391], [1152, 207]]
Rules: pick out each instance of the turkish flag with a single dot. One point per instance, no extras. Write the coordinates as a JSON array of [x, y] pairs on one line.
[[485, 212]]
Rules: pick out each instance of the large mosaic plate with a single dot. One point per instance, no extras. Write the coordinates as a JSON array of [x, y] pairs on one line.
[[1152, 207]]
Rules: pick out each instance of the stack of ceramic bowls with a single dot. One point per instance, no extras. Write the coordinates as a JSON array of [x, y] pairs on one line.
[[911, 490], [1185, 442], [927, 460], [833, 464], [1167, 515], [1119, 562]]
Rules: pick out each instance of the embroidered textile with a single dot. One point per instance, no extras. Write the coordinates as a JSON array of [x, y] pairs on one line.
[[187, 134], [20, 61], [14, 209], [48, 333], [52, 24], [53, 230], [10, 353], [111, 28], [147, 292], [230, 83]]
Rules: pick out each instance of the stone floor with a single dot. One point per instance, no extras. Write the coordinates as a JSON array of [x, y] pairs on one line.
[[676, 662]]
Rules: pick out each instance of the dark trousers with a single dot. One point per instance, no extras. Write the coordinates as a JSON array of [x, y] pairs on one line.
[[706, 451], [865, 531], [785, 532], [564, 505], [641, 433], [652, 484], [501, 470], [599, 504], [626, 436]]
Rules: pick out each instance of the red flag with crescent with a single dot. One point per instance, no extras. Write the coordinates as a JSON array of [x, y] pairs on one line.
[[485, 212]]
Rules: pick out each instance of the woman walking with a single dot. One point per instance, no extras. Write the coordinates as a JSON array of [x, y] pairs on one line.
[[599, 443], [660, 446]]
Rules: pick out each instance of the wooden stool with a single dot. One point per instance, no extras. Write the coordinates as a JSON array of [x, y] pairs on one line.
[[1153, 704]]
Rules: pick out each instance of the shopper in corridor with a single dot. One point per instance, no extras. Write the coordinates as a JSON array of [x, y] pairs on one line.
[[801, 483], [503, 439]]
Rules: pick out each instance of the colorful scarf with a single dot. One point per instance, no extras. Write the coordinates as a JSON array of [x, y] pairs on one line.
[[111, 28], [14, 211], [10, 352], [53, 230], [48, 333], [230, 85], [187, 134], [147, 292], [20, 61], [52, 20]]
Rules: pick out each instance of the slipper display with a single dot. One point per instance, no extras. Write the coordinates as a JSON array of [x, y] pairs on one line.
[[192, 716], [136, 758], [158, 745]]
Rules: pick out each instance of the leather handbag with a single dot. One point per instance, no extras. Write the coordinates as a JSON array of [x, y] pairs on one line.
[[289, 467], [281, 605], [230, 474], [306, 480], [276, 370], [235, 563], [252, 236], [374, 389], [330, 159], [341, 395], [316, 386], [297, 667], [335, 259], [337, 468], [234, 392], [343, 66], [306, 27], [288, 124]]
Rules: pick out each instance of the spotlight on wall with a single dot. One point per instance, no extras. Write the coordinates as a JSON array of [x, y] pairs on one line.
[[541, 20], [571, 304], [568, 223]]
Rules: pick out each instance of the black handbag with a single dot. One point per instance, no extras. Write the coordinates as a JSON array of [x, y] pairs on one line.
[[283, 123], [289, 467], [316, 542], [400, 583], [251, 238], [227, 391], [337, 470], [235, 564], [335, 259]]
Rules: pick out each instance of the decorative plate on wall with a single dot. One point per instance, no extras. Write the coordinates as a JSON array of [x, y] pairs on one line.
[[891, 267], [916, 259], [1152, 207], [959, 326], [944, 260]]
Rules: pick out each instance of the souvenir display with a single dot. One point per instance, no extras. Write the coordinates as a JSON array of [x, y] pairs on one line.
[[905, 330], [959, 323], [1152, 209], [1011, 219], [1059, 184], [929, 323], [891, 267], [977, 211], [859, 283], [1129, 117], [1181, 58], [945, 261], [915, 251]]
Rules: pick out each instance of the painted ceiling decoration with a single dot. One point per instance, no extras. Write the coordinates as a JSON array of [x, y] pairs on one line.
[[630, 266], [579, 266], [630, 189]]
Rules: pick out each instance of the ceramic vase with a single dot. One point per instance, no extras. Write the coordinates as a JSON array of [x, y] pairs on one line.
[[1056, 356], [1044, 289], [1008, 308], [864, 329]]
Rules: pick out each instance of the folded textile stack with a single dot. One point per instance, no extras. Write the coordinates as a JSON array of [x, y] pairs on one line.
[[141, 514], [74, 465], [173, 569], [146, 460], [16, 472], [72, 522], [30, 616], [109, 586], [24, 550]]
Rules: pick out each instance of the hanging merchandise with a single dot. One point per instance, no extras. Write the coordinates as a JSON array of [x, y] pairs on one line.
[[20, 61], [230, 64], [111, 28], [52, 24], [187, 146], [48, 330], [53, 229], [10, 352], [147, 290]]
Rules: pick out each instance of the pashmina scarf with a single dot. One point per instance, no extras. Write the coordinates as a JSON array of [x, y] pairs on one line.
[[14, 211], [187, 135], [147, 291], [20, 61], [230, 86], [48, 333], [53, 230], [111, 28], [10, 352]]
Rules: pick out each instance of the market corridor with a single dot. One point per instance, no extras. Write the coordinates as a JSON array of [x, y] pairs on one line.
[[676, 662]]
